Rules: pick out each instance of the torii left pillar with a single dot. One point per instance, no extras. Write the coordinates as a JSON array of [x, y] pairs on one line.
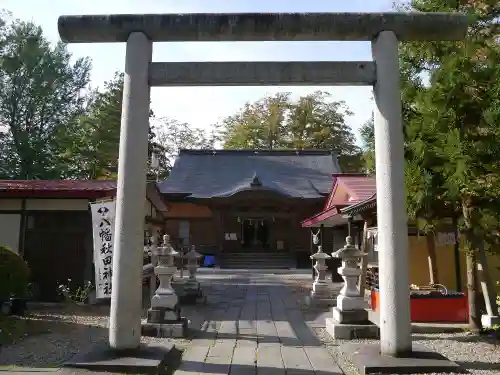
[[126, 301]]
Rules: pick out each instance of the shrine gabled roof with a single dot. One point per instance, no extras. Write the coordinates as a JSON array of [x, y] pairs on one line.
[[222, 173], [348, 190]]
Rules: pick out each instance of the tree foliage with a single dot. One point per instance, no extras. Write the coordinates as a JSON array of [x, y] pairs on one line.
[[367, 134], [53, 126], [278, 122], [90, 143], [452, 123], [171, 135], [41, 92]]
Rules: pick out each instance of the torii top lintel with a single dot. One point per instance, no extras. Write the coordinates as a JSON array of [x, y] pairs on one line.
[[262, 27]]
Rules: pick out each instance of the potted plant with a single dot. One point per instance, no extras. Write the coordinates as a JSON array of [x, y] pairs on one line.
[[78, 294]]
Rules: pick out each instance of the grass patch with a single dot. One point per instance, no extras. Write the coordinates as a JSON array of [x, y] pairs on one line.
[[14, 329]]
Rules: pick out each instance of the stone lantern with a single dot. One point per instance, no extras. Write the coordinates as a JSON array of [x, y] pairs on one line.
[[350, 317], [192, 286], [164, 316], [321, 293]]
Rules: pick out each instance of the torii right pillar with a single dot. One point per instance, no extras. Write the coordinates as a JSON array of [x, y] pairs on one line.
[[396, 354], [395, 329]]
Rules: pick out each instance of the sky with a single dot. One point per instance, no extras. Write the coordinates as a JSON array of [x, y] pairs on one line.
[[204, 106]]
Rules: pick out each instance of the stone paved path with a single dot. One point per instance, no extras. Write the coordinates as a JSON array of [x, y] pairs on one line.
[[255, 327]]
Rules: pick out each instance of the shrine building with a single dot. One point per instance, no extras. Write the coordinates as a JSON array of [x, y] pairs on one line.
[[245, 206]]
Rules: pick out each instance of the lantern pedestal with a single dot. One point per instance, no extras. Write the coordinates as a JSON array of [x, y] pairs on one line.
[[164, 316], [350, 317]]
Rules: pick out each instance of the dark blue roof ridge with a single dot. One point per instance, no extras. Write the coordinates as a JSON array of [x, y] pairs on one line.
[[294, 173], [246, 152]]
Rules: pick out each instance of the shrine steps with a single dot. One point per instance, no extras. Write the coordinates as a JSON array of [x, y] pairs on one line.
[[256, 260]]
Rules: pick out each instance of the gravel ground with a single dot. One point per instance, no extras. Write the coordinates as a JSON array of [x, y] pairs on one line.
[[480, 355], [75, 330], [70, 332]]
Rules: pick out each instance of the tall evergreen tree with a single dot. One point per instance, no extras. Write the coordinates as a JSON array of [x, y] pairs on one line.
[[92, 141], [452, 124]]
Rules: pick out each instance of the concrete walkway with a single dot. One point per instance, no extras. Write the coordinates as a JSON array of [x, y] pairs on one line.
[[254, 327]]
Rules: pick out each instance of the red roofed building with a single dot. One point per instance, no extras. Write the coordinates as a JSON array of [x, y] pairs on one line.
[[49, 224], [347, 190], [354, 196]]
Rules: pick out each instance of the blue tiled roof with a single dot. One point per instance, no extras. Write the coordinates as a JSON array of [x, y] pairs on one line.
[[222, 173]]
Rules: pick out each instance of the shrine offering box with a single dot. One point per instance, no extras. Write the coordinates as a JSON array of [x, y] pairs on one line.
[[432, 307]]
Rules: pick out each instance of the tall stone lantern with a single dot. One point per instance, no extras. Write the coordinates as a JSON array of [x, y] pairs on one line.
[[164, 316], [350, 317]]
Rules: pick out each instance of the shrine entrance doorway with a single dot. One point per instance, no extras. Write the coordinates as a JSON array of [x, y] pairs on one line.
[[255, 234]]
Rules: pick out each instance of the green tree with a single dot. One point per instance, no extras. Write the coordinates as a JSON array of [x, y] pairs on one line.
[[277, 122], [367, 134], [452, 124], [90, 143], [259, 125], [41, 92], [171, 135]]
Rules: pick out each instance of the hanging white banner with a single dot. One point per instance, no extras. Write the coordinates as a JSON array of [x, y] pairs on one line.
[[103, 226]]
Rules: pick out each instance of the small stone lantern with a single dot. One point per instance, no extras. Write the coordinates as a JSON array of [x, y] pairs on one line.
[[192, 287], [320, 289], [350, 317], [164, 316]]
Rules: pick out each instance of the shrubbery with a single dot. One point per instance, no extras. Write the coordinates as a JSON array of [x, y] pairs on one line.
[[14, 274]]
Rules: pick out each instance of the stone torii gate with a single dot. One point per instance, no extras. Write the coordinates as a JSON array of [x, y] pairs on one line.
[[384, 30]]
